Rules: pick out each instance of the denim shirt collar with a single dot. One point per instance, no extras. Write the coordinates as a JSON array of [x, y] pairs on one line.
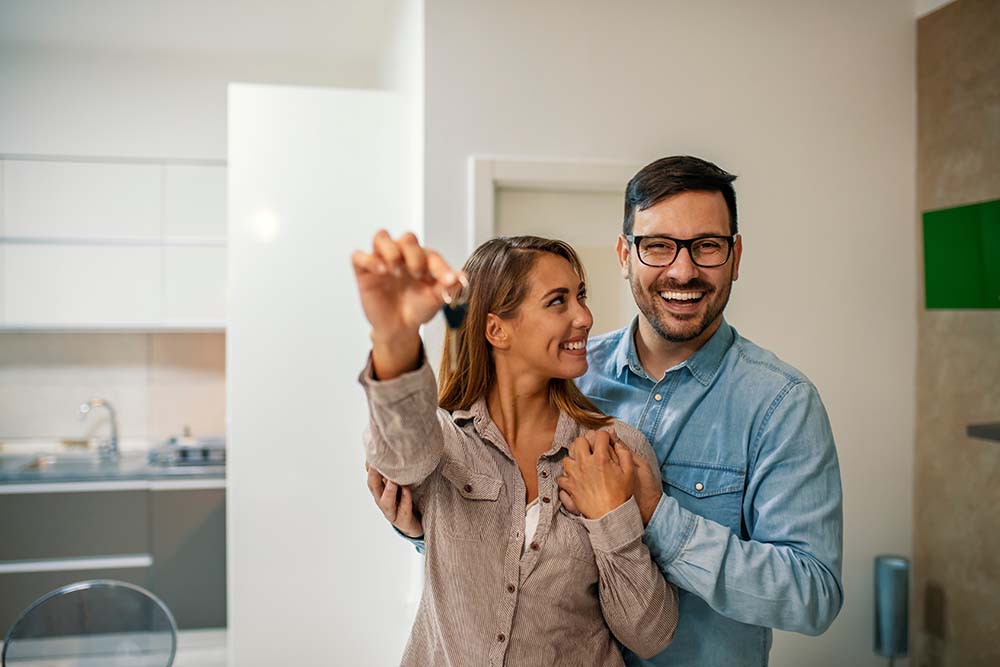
[[703, 364], [625, 354]]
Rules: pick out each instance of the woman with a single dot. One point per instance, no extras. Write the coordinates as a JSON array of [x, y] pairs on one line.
[[512, 577]]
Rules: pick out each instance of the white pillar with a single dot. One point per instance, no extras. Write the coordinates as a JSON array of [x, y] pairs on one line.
[[315, 575]]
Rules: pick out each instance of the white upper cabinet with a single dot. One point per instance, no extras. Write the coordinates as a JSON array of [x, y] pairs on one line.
[[194, 202], [82, 286], [109, 244], [194, 289], [49, 199]]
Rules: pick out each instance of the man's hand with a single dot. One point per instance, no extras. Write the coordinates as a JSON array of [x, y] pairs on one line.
[[647, 490], [598, 475], [396, 503]]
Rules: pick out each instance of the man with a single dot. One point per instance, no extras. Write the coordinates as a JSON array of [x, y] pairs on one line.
[[748, 521]]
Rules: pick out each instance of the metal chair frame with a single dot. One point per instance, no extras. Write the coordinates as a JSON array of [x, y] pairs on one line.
[[86, 585]]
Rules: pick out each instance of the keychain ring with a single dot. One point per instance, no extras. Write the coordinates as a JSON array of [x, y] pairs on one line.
[[462, 297]]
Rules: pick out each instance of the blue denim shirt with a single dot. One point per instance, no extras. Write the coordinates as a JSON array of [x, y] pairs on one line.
[[750, 523]]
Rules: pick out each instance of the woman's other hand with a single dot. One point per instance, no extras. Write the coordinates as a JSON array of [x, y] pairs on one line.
[[599, 474], [648, 490], [396, 503]]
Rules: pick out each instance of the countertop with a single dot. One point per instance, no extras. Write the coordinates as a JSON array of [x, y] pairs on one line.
[[63, 468]]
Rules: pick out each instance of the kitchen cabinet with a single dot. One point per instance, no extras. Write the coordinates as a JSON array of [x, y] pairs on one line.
[[85, 285], [46, 199], [194, 285], [170, 541], [73, 525], [111, 244], [188, 544], [194, 205]]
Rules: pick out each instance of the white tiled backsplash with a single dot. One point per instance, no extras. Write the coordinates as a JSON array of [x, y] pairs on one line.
[[158, 383]]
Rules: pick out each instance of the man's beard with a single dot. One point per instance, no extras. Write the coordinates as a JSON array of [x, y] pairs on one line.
[[680, 331]]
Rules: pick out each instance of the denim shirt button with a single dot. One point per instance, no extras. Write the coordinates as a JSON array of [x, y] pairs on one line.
[[699, 486], [658, 397]]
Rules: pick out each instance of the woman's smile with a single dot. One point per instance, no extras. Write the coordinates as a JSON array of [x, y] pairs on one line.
[[575, 346]]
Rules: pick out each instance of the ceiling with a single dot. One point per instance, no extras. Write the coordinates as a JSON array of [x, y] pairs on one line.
[[308, 29]]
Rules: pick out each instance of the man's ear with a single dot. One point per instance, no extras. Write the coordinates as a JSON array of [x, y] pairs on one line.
[[496, 332], [624, 250], [737, 253]]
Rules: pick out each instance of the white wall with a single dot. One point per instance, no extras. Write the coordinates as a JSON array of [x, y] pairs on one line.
[[68, 102], [402, 71], [925, 7], [147, 78], [813, 105]]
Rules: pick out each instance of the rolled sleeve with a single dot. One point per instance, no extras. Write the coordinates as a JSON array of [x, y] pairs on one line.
[[404, 440]]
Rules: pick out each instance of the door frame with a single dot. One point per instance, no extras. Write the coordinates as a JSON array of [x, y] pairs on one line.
[[488, 173]]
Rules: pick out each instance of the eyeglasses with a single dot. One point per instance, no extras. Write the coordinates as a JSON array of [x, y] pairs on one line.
[[659, 251]]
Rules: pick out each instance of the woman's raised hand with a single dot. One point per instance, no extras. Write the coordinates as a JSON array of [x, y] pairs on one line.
[[402, 285]]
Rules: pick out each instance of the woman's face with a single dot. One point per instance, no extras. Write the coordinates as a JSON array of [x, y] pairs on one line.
[[549, 334]]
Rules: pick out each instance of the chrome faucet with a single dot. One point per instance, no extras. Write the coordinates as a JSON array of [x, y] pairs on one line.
[[111, 449]]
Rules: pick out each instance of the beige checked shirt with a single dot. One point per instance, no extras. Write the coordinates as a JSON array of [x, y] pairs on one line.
[[577, 586]]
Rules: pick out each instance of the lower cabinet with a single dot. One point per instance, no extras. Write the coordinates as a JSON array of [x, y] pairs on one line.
[[173, 541], [188, 543]]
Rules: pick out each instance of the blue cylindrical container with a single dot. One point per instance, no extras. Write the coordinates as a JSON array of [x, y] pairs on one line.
[[892, 606]]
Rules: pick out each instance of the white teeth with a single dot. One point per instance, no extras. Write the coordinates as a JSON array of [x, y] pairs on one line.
[[682, 296], [579, 345]]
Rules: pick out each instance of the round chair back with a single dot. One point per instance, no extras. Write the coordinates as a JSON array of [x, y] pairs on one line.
[[97, 623]]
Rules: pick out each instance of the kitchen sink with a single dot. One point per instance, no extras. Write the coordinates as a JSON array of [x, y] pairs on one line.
[[95, 466], [86, 462]]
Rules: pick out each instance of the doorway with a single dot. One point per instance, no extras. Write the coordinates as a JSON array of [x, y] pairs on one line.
[[590, 221]]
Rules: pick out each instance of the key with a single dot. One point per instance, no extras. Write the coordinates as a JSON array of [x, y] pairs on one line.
[[455, 309]]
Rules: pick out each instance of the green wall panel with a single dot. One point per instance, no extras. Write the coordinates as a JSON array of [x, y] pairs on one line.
[[962, 257]]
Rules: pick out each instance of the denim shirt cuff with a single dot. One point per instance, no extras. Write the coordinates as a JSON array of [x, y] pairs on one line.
[[417, 542], [668, 531]]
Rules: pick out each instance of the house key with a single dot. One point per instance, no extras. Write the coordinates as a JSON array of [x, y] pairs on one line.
[[455, 308]]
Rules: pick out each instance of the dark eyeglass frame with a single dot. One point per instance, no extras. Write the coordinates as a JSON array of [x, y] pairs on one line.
[[680, 244]]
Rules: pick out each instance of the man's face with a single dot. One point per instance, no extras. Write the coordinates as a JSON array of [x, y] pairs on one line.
[[683, 300]]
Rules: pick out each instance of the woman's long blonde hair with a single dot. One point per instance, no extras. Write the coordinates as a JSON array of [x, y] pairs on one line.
[[498, 272]]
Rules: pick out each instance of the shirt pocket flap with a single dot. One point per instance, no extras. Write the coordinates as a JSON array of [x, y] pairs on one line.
[[472, 485], [702, 481]]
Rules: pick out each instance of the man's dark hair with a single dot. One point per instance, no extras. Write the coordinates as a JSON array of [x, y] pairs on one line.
[[673, 175]]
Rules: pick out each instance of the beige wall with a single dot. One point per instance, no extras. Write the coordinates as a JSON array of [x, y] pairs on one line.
[[956, 478], [158, 383]]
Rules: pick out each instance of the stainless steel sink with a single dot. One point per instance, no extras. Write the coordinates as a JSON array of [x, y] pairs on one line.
[[82, 466], [82, 463]]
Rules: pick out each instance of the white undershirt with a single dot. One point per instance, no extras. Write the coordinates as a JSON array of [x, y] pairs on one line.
[[531, 515]]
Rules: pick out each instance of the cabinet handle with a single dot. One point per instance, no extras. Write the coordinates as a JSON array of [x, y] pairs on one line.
[[69, 564]]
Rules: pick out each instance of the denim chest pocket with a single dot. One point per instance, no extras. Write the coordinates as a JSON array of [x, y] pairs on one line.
[[714, 492], [468, 502]]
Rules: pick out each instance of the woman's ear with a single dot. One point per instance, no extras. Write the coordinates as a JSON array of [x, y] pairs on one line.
[[496, 332]]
